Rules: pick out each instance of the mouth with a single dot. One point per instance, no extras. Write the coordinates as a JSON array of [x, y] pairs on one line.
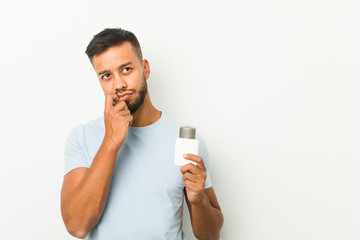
[[125, 96]]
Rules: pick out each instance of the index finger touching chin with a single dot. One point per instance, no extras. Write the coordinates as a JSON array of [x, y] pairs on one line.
[[108, 102]]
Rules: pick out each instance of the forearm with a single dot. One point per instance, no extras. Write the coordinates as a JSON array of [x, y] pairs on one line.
[[206, 219], [84, 207]]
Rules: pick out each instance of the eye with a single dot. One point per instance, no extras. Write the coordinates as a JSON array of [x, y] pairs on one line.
[[105, 76], [126, 70]]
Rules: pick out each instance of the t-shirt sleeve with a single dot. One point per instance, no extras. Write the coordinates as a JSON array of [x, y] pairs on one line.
[[74, 150], [203, 152]]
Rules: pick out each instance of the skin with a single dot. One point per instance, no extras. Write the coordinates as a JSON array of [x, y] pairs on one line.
[[85, 190]]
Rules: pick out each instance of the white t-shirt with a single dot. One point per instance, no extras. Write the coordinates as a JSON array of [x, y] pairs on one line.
[[147, 191]]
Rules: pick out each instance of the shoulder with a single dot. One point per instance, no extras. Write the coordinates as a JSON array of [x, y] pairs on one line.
[[173, 123], [80, 130], [97, 123], [170, 121], [168, 125]]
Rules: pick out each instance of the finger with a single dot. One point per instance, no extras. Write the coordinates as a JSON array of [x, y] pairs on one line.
[[193, 186], [108, 103], [131, 119], [191, 168], [123, 112], [199, 161], [193, 178], [184, 168], [199, 175], [116, 99], [120, 106]]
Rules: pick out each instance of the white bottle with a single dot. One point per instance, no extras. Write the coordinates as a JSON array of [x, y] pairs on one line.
[[186, 143]]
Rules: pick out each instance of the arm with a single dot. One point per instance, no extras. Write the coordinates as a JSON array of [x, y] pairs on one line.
[[85, 191], [205, 212]]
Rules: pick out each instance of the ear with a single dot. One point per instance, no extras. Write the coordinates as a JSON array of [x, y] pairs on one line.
[[146, 68]]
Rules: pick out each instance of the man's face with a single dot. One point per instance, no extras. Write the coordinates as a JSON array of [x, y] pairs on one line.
[[120, 71]]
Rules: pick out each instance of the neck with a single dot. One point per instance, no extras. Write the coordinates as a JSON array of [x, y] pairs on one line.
[[146, 114]]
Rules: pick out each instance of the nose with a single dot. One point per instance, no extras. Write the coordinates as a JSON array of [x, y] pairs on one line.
[[119, 83]]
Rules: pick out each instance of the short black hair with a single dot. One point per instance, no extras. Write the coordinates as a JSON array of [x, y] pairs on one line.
[[110, 37]]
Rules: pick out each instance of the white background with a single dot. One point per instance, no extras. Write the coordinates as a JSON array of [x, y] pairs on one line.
[[272, 86]]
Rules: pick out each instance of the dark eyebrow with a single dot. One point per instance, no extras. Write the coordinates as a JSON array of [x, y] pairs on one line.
[[124, 65], [105, 71], [120, 67]]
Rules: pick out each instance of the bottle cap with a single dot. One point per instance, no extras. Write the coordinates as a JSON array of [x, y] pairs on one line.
[[187, 132]]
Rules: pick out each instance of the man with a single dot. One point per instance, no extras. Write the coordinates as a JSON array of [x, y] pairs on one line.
[[120, 178]]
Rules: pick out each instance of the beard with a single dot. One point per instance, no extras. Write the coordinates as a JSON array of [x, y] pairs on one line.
[[134, 105]]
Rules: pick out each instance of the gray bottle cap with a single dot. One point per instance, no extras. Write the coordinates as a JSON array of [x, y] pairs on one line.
[[187, 132]]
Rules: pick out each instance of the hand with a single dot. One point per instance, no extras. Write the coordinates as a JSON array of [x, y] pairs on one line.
[[117, 120], [194, 177]]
